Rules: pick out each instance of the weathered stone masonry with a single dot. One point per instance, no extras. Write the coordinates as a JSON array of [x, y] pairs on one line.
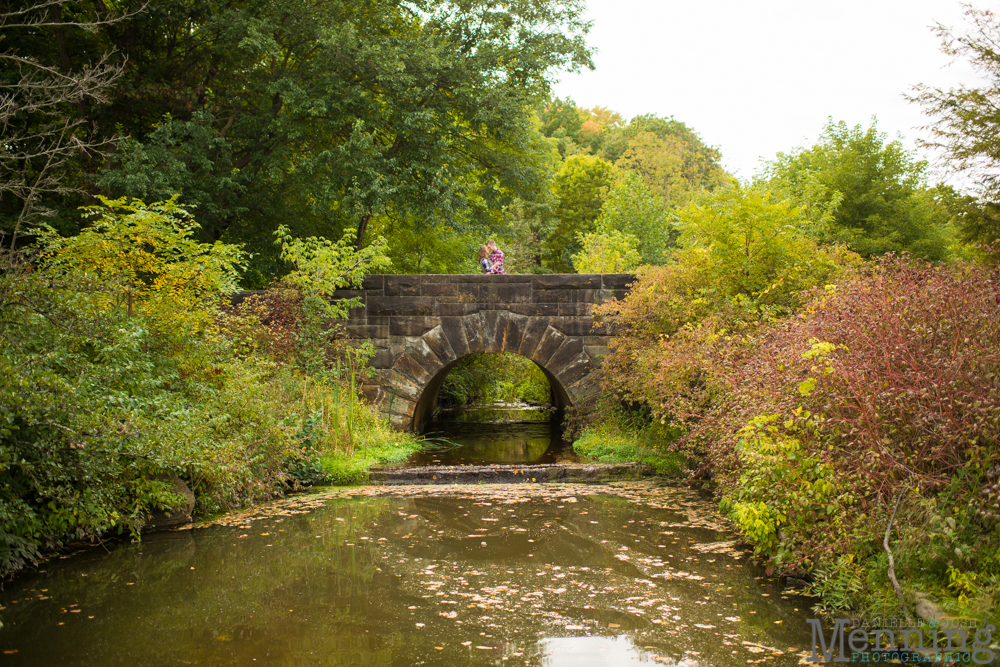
[[421, 325]]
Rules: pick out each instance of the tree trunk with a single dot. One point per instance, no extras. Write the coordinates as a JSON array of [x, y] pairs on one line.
[[362, 228]]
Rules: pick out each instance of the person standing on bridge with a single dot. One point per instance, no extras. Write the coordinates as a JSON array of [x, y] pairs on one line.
[[484, 259], [496, 258]]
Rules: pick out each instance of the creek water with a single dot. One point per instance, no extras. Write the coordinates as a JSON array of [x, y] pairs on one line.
[[520, 574], [515, 574], [495, 434]]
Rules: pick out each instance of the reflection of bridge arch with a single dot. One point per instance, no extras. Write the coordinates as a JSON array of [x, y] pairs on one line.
[[422, 325]]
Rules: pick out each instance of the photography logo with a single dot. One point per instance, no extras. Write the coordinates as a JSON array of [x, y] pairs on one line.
[[901, 644]]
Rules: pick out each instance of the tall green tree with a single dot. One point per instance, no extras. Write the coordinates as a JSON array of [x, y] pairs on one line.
[[326, 115], [697, 163], [580, 187], [562, 122], [964, 123], [577, 130], [675, 167], [877, 189], [530, 225], [632, 208], [747, 243]]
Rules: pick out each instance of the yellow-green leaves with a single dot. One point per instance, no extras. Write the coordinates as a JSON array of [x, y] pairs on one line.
[[755, 246], [322, 266], [143, 260], [607, 252]]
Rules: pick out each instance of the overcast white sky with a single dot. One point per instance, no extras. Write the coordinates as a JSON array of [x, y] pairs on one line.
[[755, 77]]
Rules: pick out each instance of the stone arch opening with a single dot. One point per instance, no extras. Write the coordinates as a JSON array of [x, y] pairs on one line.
[[424, 360], [427, 404]]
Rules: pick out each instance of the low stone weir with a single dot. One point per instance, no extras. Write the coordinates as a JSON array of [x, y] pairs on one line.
[[501, 474]]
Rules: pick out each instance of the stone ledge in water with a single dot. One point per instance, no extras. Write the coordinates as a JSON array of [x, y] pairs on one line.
[[501, 474]]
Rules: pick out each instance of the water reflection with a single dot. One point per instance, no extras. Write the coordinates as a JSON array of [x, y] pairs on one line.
[[487, 435], [590, 651], [540, 575]]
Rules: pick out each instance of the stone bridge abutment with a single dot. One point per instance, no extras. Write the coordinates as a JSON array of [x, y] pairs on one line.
[[422, 325]]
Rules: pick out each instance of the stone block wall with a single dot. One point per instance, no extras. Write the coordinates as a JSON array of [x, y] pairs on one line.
[[422, 324]]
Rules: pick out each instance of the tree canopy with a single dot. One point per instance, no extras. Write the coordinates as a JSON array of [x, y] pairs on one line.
[[964, 123], [876, 188], [327, 115], [580, 187]]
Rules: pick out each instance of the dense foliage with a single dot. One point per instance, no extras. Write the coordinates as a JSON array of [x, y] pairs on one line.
[[963, 121], [118, 365], [742, 259], [876, 190], [791, 335], [881, 386], [324, 116]]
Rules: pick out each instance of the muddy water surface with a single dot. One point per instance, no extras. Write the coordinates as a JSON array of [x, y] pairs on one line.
[[552, 575]]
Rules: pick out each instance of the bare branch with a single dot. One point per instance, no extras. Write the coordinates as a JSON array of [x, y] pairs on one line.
[[41, 134], [892, 565]]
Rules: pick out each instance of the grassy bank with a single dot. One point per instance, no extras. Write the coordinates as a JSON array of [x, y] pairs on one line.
[[620, 438]]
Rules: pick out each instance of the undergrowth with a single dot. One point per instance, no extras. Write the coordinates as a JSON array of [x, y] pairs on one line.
[[620, 437], [122, 365]]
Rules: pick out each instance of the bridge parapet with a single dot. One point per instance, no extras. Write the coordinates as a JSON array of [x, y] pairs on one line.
[[422, 325]]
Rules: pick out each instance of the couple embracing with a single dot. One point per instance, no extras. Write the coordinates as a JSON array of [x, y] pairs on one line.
[[491, 258]]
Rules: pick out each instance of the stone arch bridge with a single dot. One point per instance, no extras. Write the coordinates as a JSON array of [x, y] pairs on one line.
[[422, 325]]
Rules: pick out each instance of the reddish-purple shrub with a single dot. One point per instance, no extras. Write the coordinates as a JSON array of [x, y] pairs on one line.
[[912, 390], [812, 424]]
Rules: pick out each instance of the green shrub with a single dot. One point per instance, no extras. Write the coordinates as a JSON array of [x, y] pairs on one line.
[[621, 435], [117, 366], [811, 425]]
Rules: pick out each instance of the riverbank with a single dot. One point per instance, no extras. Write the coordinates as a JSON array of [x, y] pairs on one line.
[[345, 469], [856, 589], [121, 396], [840, 427], [612, 441]]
